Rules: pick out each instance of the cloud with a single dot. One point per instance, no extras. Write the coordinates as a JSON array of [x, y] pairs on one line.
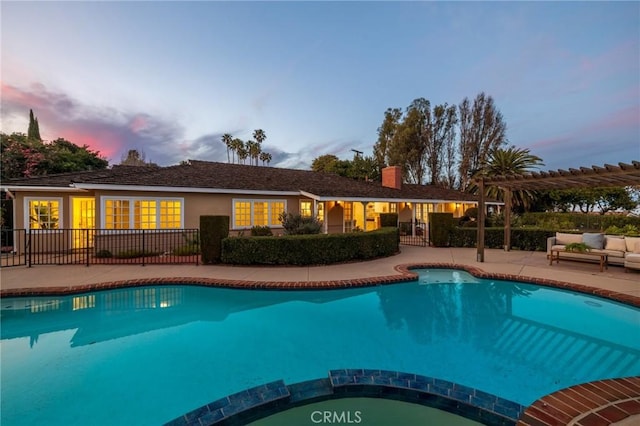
[[114, 132]]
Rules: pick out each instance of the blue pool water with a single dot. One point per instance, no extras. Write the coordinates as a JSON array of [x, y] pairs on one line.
[[146, 355]]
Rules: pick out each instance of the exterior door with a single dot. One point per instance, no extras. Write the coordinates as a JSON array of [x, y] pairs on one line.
[[83, 221]]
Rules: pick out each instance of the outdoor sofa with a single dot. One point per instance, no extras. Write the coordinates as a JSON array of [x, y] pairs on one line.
[[623, 251]]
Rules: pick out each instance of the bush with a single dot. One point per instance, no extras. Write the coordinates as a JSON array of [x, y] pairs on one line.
[[440, 225], [521, 238], [186, 250], [295, 224], [103, 254], [310, 249], [388, 220], [213, 229], [261, 231], [628, 230], [581, 221], [471, 212]]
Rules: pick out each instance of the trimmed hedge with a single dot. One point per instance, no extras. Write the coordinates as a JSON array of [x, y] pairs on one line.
[[319, 249], [522, 239], [213, 229], [440, 226], [388, 220], [580, 221]]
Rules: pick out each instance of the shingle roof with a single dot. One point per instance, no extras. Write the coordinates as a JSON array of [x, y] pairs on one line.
[[229, 177]]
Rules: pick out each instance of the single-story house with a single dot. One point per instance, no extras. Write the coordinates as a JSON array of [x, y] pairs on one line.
[[127, 197]]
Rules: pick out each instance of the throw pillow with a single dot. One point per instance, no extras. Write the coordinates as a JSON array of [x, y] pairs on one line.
[[595, 241], [564, 239], [631, 242], [614, 243]]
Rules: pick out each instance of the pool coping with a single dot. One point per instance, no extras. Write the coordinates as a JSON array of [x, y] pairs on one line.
[[275, 397], [404, 270]]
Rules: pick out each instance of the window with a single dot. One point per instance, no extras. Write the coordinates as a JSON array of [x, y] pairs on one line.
[[393, 207], [320, 213], [142, 213], [305, 208], [248, 213], [348, 216], [43, 213]]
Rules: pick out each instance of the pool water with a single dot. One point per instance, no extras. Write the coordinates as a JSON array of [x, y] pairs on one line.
[[149, 354]]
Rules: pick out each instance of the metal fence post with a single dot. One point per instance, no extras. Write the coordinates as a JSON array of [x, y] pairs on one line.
[[144, 255]]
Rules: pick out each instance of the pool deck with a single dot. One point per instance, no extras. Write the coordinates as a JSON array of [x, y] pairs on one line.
[[598, 403]]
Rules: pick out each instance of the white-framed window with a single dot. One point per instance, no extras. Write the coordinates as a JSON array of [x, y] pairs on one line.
[[142, 213], [306, 208], [43, 213], [248, 213]]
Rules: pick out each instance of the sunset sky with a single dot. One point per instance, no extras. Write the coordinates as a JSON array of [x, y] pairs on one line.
[[169, 78]]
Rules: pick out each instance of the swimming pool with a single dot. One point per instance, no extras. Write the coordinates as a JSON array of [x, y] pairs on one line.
[[146, 355]]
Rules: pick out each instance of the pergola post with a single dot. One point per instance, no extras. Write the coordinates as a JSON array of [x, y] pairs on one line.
[[481, 208], [507, 219]]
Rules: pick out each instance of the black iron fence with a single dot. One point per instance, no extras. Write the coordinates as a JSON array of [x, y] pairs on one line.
[[99, 246], [414, 233]]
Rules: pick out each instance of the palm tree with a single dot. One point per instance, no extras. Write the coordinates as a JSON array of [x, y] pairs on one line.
[[243, 151], [259, 135], [265, 156], [511, 161], [227, 139], [254, 151], [237, 145]]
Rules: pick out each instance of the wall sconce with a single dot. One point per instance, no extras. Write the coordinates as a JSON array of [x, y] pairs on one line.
[[337, 203]]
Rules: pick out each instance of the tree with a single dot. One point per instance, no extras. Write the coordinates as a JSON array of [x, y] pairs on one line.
[[265, 157], [22, 157], [324, 163], [482, 130], [511, 162], [135, 158], [253, 150], [589, 200], [237, 145], [33, 133], [386, 133], [227, 139], [439, 148], [241, 150]]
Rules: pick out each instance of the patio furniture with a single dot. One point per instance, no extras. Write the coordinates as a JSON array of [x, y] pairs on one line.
[[603, 257]]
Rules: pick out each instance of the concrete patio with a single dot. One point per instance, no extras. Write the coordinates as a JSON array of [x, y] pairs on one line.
[[519, 263]]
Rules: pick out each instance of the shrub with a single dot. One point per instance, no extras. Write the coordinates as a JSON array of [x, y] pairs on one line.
[[521, 238], [310, 249], [186, 250], [296, 224], [586, 222], [261, 231], [213, 229], [471, 212], [388, 220], [440, 225], [103, 254], [628, 230]]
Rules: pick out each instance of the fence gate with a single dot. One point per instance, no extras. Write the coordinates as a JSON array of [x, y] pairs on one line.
[[414, 234], [10, 239]]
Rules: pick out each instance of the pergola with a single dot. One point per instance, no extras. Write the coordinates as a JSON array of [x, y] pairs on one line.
[[593, 177]]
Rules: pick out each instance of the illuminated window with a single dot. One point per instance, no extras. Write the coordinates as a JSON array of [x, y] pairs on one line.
[[320, 215], [116, 214], [248, 213], [44, 214], [242, 214], [260, 213], [142, 213], [145, 214], [393, 207], [277, 207], [170, 214], [305, 208], [348, 216]]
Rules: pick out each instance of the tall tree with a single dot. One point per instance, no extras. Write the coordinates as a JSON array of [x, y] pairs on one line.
[[482, 130], [227, 139], [511, 161], [589, 200], [325, 163], [33, 133], [237, 145], [265, 157], [440, 157], [386, 133]]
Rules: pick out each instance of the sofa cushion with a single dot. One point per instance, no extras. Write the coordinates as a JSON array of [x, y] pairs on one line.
[[636, 248], [631, 242], [564, 239], [595, 241], [614, 243]]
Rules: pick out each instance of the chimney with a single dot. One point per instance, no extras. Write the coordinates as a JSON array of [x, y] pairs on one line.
[[392, 177]]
